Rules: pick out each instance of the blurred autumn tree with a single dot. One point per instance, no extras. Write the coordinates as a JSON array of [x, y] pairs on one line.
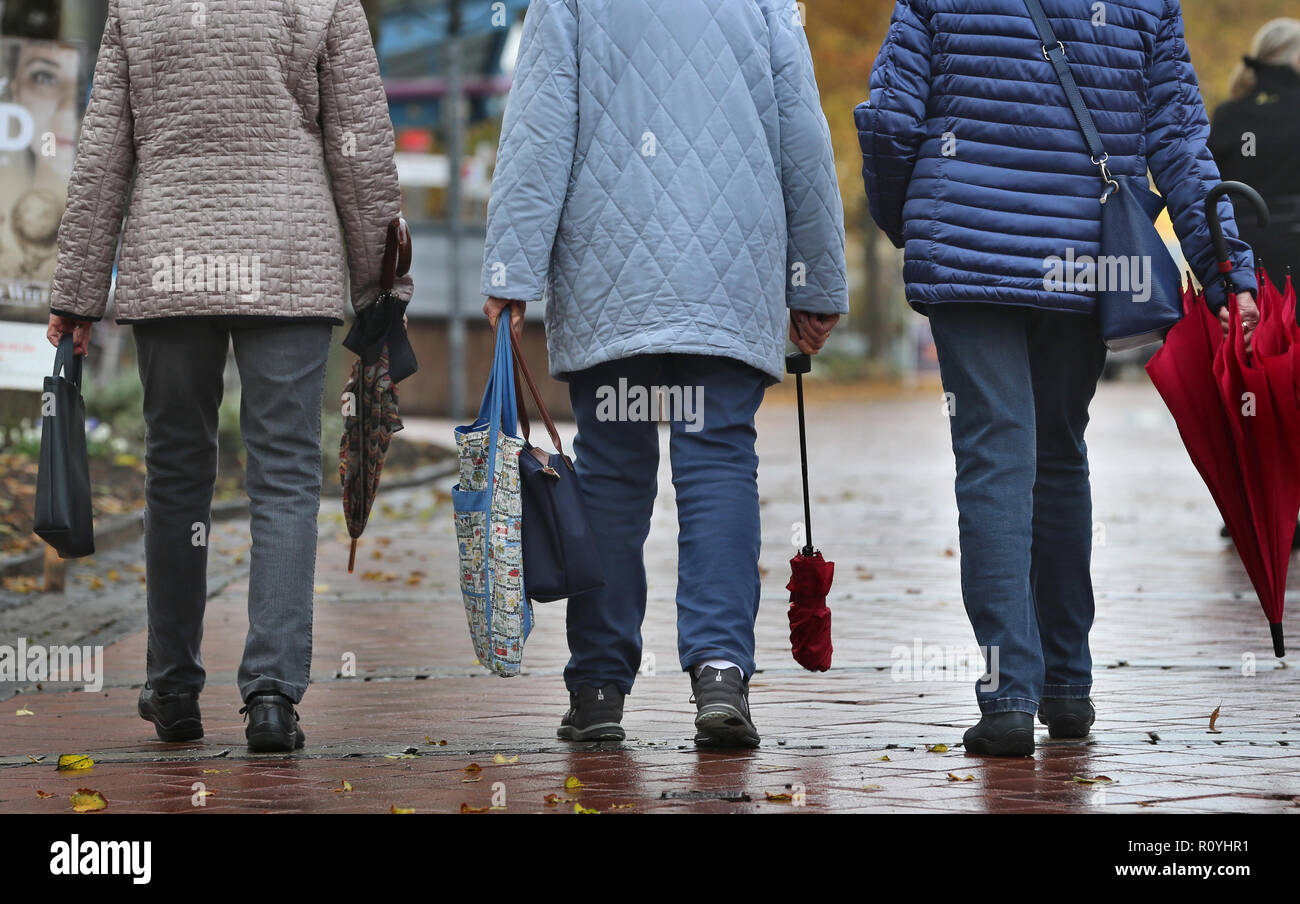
[[845, 35]]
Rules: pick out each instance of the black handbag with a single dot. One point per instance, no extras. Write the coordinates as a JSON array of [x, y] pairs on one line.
[[559, 551], [64, 518], [1147, 302]]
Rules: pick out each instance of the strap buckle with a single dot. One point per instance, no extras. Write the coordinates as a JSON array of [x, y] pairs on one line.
[[1112, 185], [1045, 51]]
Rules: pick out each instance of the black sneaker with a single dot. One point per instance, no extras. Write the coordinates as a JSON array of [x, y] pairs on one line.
[[1066, 717], [721, 701], [1001, 734], [175, 717], [272, 724], [595, 714]]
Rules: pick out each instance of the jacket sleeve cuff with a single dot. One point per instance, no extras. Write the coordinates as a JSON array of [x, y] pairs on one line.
[[1240, 279], [71, 315]]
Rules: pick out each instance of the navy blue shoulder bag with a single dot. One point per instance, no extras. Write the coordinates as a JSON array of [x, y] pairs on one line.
[[1147, 300], [559, 551]]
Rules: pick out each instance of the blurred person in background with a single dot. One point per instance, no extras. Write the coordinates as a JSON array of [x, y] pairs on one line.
[[974, 163], [666, 187], [242, 167], [1255, 138]]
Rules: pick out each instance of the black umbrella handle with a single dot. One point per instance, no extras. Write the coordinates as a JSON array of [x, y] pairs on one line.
[[1240, 189], [800, 364]]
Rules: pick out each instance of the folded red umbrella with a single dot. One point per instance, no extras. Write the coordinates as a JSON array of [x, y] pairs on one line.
[[1238, 416], [810, 574]]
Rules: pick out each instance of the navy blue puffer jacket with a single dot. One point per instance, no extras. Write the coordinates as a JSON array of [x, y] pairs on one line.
[[974, 163]]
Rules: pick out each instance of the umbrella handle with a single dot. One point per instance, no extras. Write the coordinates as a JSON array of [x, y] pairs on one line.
[[1216, 227], [800, 364], [397, 254]]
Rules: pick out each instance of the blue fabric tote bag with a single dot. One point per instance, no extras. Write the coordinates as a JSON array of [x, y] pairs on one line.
[[487, 505]]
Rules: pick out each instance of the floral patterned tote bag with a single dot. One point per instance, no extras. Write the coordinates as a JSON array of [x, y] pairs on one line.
[[487, 508]]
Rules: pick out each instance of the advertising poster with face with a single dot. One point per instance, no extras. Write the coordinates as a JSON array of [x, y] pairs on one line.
[[41, 94]]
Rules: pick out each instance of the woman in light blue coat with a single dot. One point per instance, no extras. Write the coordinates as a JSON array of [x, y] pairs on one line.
[[665, 186]]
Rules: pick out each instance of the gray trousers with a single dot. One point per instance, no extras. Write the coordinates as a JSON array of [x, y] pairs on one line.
[[282, 374]]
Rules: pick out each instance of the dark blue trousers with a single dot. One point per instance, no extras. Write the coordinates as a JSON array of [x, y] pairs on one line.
[[715, 475], [1019, 382]]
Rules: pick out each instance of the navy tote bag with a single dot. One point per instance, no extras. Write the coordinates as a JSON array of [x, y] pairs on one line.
[[560, 557], [1128, 318]]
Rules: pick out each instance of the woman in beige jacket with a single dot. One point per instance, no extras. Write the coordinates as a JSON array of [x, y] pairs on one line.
[[237, 147]]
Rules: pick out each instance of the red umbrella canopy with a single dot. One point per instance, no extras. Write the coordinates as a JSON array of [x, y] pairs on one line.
[[1241, 428], [810, 618]]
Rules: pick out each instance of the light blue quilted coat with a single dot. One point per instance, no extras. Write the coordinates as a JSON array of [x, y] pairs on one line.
[[974, 163], [665, 181]]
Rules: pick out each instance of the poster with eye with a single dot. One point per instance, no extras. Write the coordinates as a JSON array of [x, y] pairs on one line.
[[42, 94]]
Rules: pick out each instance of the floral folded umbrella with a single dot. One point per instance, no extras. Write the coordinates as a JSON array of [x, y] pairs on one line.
[[370, 412]]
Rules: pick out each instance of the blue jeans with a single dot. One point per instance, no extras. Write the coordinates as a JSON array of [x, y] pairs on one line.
[[715, 474], [1019, 382]]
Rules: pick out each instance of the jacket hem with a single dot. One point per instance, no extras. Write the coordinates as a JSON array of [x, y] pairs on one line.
[[922, 307], [562, 370], [229, 318]]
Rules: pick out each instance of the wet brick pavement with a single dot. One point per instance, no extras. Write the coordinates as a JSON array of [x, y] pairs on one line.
[[1178, 634]]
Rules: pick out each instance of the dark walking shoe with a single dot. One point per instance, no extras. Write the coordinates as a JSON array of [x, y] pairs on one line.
[[1001, 734], [175, 717], [1066, 717], [272, 724], [721, 701], [595, 714]]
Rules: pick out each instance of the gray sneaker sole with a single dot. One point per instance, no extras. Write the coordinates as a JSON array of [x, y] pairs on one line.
[[724, 726], [601, 731]]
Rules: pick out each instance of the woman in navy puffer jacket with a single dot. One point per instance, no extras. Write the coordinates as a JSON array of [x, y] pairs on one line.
[[974, 164]]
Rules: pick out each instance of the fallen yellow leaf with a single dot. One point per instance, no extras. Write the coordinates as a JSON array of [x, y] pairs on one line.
[[937, 748], [74, 762], [572, 782], [954, 777], [466, 808], [43, 795], [473, 767], [1214, 717], [580, 810], [87, 800], [347, 786], [400, 810], [502, 760], [778, 796], [24, 712]]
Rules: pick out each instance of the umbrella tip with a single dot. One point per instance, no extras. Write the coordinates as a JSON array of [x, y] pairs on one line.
[[352, 557], [1279, 645]]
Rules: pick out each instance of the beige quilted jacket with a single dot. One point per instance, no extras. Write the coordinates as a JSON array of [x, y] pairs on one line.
[[246, 143]]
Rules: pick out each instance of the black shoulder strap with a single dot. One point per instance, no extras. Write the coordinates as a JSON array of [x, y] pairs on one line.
[[1054, 53]]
